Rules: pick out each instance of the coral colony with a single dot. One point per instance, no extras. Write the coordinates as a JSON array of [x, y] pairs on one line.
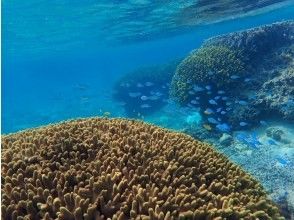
[[232, 89], [102, 168]]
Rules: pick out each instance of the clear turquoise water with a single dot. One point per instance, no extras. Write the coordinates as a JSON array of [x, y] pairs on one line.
[[60, 60], [50, 49]]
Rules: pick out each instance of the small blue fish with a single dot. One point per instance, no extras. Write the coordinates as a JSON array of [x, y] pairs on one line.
[[224, 127], [252, 145], [242, 102], [254, 139], [209, 93], [197, 88], [257, 142], [197, 98], [208, 111], [242, 123], [254, 136], [247, 79], [218, 109], [194, 102], [139, 85], [221, 92], [158, 94], [264, 123], [223, 112], [244, 135], [210, 73], [208, 87], [228, 109], [229, 103], [272, 142], [234, 77], [217, 97], [246, 140], [134, 94], [145, 106], [149, 84], [212, 102], [225, 98], [191, 92], [241, 137], [153, 97], [122, 103], [144, 98], [190, 105], [290, 103], [125, 85], [212, 121], [252, 96], [282, 161]]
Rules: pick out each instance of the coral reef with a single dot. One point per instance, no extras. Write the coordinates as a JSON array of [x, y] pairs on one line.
[[212, 64], [102, 168], [277, 94], [240, 78], [257, 42], [145, 90]]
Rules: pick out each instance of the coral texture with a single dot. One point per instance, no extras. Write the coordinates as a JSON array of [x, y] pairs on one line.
[[277, 94], [253, 69], [207, 65], [102, 168], [259, 41]]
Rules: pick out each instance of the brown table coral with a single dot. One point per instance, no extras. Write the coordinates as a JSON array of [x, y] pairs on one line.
[[121, 169]]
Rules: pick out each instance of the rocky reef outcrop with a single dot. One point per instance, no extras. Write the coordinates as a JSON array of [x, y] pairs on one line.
[[257, 42], [277, 94], [242, 78]]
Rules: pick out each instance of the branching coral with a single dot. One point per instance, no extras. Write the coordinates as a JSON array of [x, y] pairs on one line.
[[213, 64], [121, 169]]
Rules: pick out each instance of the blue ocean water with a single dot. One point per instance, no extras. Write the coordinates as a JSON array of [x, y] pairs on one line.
[[62, 59], [40, 79]]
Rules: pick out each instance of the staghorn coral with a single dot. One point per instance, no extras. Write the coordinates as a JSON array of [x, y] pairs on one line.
[[102, 168], [210, 64]]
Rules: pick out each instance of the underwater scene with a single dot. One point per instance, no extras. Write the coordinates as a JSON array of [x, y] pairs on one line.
[[147, 110]]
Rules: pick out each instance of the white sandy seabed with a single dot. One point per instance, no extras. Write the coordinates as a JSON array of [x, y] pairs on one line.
[[271, 162]]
